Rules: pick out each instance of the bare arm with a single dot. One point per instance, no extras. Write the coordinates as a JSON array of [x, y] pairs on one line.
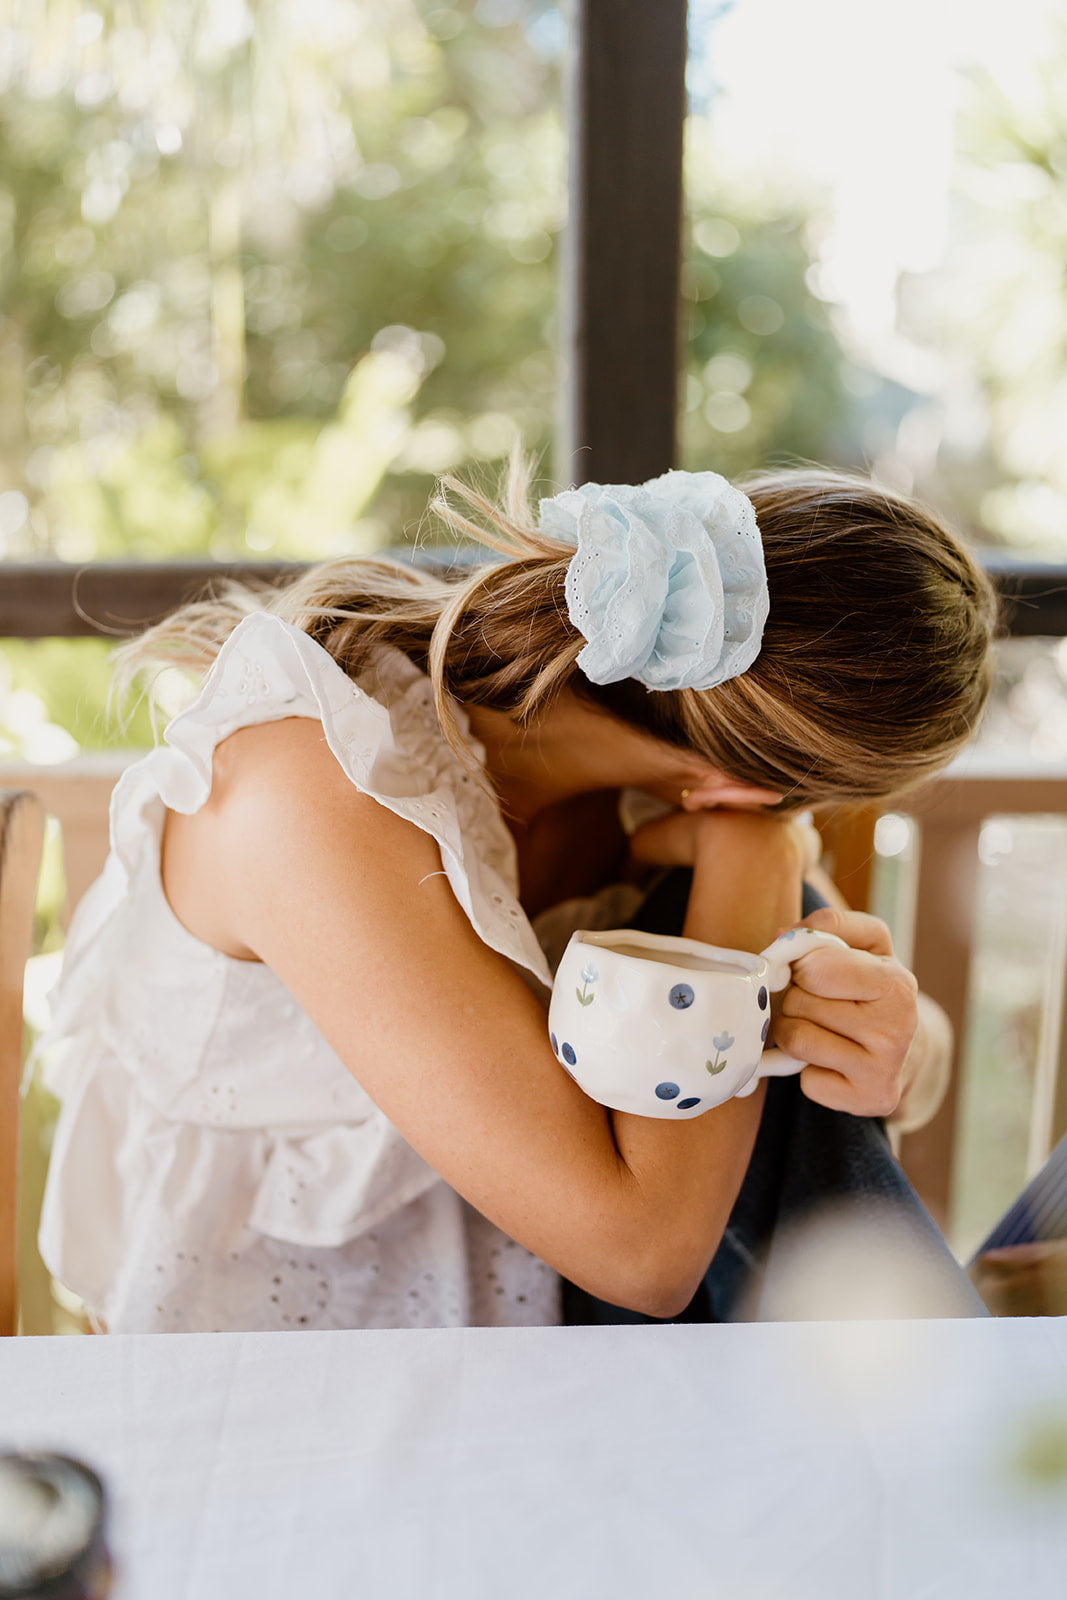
[[347, 904], [852, 1014], [746, 887]]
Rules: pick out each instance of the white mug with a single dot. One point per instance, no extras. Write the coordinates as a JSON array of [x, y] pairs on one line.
[[669, 1027]]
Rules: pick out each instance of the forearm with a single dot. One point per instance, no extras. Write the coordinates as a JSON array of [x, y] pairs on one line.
[[746, 884], [746, 887]]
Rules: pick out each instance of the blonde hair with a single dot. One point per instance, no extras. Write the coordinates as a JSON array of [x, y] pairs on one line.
[[873, 671]]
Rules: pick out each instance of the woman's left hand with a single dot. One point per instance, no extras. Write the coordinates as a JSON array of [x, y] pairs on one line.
[[677, 838], [852, 1014]]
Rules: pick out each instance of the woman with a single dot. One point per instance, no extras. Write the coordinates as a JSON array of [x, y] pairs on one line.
[[304, 1062]]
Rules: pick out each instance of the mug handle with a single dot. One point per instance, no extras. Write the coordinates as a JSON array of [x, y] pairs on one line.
[[787, 948]]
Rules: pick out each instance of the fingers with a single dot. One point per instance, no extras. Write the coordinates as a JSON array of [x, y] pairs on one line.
[[852, 1015], [808, 1041], [864, 1030], [841, 1074], [870, 999], [857, 928], [839, 1093], [836, 974]]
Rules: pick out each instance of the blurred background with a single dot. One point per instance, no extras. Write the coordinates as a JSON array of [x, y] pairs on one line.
[[268, 266]]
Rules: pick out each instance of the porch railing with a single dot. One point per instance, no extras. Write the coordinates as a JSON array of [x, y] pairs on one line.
[[58, 599]]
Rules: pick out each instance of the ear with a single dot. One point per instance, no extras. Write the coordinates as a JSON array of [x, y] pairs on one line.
[[728, 792]]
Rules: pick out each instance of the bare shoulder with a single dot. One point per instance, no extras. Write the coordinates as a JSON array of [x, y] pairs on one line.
[[270, 762], [281, 808]]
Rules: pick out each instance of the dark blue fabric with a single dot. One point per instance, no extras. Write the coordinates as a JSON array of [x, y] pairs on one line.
[[805, 1158]]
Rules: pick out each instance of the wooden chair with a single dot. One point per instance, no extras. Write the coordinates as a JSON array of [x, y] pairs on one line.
[[949, 812], [21, 842]]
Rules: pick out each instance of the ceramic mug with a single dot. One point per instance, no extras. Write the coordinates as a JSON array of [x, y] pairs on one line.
[[669, 1027]]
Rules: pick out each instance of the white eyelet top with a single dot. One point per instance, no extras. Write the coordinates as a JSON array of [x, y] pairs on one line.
[[215, 1165]]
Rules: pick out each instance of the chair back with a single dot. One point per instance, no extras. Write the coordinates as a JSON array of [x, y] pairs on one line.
[[21, 842]]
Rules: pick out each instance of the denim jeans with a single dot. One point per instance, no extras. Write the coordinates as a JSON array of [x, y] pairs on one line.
[[808, 1162]]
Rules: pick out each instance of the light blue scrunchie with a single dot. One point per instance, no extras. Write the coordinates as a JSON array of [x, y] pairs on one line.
[[667, 584]]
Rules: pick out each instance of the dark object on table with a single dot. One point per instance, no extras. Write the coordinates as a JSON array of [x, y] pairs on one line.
[[53, 1515]]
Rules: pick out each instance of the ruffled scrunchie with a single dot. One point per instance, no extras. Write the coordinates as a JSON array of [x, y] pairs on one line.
[[667, 584]]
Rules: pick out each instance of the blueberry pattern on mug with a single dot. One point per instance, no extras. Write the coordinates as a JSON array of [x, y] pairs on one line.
[[681, 996]]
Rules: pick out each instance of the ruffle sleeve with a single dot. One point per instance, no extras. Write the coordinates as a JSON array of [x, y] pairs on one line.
[[395, 753]]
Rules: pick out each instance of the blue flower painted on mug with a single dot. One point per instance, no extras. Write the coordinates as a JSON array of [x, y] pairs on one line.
[[722, 1042], [681, 996], [667, 1091], [589, 975]]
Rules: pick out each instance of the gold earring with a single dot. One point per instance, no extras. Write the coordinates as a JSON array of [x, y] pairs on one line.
[[686, 793]]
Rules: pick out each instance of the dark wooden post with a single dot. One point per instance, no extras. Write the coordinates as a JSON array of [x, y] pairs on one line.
[[626, 113]]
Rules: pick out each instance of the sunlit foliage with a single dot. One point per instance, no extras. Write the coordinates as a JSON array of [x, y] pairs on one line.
[[238, 242], [997, 312], [266, 269], [763, 380]]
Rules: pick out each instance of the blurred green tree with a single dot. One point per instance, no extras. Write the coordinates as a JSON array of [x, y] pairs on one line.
[[997, 311], [266, 269], [764, 373]]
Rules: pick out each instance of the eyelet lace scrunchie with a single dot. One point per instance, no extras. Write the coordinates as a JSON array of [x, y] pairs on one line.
[[667, 584]]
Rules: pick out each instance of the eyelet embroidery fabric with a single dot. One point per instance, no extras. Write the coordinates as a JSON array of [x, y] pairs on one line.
[[215, 1164], [667, 584]]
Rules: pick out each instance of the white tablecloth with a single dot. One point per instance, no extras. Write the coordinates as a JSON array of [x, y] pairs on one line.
[[831, 1461]]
